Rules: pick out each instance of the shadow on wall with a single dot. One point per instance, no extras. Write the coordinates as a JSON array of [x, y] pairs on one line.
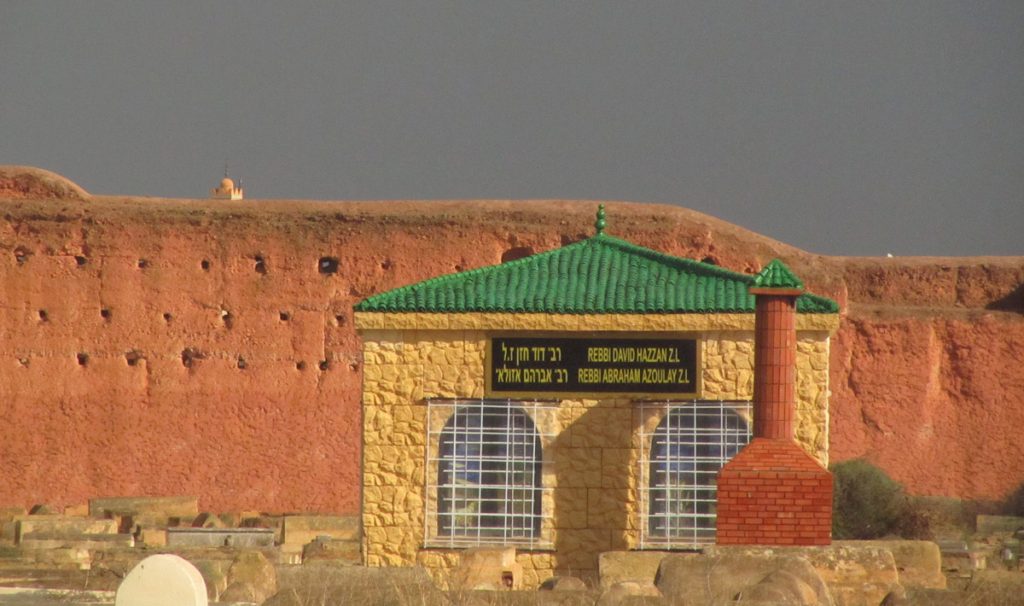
[[1011, 302], [516, 253]]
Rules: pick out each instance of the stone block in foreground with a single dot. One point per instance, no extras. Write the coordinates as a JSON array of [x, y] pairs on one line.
[[300, 530], [721, 574], [847, 574], [635, 566], [919, 563]]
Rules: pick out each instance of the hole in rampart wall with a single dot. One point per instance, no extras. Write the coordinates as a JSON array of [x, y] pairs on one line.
[[106, 314], [43, 316], [300, 365], [143, 264], [285, 316], [327, 265], [133, 357], [21, 255], [458, 267], [80, 260], [23, 361], [324, 365], [168, 317], [354, 366], [241, 363], [340, 319], [386, 264], [189, 356], [83, 358], [709, 260], [515, 253], [261, 265], [205, 264], [227, 318]]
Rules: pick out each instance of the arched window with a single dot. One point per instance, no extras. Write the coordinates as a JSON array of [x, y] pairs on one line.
[[489, 474], [689, 446]]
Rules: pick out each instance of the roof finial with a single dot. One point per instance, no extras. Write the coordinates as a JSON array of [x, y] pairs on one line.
[[600, 223], [225, 169]]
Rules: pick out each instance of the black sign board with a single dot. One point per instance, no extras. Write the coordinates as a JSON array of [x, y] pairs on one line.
[[598, 365]]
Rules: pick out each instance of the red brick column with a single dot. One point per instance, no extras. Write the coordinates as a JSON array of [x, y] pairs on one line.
[[774, 366], [773, 492]]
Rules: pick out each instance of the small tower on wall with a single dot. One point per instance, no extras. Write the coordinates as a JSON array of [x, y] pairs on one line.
[[773, 492], [227, 189]]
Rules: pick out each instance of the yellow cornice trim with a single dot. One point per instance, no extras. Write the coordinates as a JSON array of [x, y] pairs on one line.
[[578, 322]]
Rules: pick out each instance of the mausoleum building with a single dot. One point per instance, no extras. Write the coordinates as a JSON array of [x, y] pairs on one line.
[[227, 190], [572, 402]]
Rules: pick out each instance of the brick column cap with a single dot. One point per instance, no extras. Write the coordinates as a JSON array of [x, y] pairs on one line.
[[776, 279]]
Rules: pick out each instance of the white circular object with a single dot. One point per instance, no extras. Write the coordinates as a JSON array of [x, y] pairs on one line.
[[162, 580]]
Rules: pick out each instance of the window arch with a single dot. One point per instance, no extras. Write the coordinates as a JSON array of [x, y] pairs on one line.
[[688, 447], [489, 475]]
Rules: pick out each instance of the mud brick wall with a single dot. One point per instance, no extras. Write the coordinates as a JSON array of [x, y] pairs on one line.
[[925, 367]]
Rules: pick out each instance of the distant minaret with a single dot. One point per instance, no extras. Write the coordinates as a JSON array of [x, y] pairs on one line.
[[227, 189]]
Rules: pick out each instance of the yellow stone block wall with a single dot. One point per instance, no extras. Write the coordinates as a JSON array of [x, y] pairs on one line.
[[590, 465]]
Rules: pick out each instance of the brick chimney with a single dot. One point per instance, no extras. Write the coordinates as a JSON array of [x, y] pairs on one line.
[[773, 492]]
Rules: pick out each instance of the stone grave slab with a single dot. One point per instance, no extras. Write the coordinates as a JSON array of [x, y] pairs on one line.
[[988, 525], [299, 530], [186, 508], [220, 537], [636, 566], [44, 540], [59, 526]]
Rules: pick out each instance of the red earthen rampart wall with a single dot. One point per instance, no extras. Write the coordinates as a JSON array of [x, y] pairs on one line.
[[936, 401], [227, 400]]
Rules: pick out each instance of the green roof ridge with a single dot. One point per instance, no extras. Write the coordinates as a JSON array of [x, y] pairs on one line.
[[601, 274], [777, 275]]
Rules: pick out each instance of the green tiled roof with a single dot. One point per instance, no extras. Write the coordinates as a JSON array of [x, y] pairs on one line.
[[777, 275], [599, 275]]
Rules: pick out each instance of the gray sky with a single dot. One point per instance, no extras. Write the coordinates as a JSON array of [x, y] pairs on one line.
[[841, 128]]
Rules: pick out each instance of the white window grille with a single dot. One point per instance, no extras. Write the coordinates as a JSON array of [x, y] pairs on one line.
[[485, 462], [683, 446]]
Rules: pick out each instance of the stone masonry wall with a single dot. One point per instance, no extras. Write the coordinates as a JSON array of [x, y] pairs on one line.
[[591, 463]]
